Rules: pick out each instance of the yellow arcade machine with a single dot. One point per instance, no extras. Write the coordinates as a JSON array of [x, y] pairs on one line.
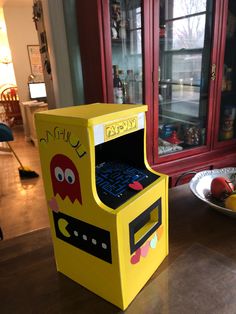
[[108, 209]]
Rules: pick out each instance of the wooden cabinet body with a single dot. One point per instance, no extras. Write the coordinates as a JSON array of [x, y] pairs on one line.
[[96, 43]]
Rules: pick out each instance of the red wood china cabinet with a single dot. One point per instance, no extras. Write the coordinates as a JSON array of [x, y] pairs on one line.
[[176, 56]]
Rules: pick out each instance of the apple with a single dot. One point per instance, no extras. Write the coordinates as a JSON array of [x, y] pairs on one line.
[[221, 187]]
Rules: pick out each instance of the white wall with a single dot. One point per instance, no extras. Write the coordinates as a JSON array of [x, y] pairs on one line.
[[21, 32], [7, 75]]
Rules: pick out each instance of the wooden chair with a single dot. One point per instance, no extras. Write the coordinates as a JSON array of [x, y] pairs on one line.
[[9, 101]]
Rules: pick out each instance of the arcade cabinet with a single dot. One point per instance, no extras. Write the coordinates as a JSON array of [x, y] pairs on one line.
[[108, 209]]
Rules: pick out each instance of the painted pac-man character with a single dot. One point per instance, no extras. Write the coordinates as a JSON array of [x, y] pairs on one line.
[[62, 224], [65, 178]]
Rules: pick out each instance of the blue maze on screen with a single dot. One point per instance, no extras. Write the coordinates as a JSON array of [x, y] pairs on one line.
[[114, 177]]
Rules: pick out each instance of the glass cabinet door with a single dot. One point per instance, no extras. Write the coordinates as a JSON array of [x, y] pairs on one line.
[[126, 41], [184, 59], [227, 128]]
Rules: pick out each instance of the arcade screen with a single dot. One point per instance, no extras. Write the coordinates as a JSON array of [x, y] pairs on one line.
[[117, 182]]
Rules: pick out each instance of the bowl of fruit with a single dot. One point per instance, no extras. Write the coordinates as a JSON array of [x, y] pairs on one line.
[[217, 188]]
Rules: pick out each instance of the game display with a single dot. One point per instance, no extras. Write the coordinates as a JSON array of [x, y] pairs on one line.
[[108, 209], [116, 182]]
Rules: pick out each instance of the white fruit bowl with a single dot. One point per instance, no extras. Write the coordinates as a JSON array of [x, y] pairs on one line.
[[200, 186]]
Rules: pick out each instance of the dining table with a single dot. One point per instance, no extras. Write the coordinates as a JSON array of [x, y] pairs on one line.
[[197, 276]]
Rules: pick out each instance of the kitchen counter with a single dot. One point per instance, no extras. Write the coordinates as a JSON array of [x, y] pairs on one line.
[[29, 282]]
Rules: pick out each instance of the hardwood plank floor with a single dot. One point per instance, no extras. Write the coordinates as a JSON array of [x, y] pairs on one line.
[[22, 202]]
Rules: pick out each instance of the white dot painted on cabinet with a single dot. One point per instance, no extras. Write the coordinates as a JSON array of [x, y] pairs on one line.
[[104, 246], [76, 233], [94, 241], [85, 237]]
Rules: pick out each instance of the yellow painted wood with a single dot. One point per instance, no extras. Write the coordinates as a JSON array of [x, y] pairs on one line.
[[71, 132]]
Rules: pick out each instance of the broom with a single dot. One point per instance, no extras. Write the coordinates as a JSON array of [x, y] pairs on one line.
[[6, 136], [24, 172]]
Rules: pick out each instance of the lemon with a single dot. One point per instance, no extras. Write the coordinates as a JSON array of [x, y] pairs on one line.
[[230, 202]]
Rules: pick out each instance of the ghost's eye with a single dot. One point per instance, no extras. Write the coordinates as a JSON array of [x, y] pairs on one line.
[[59, 174], [69, 176]]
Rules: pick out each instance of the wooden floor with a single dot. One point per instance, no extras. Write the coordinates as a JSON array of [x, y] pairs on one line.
[[22, 202]]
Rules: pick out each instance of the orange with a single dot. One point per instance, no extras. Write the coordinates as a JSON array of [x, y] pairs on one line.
[[230, 202]]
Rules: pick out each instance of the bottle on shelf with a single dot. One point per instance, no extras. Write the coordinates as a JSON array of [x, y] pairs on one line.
[[224, 82], [117, 86], [121, 76], [139, 87], [124, 85], [162, 31], [227, 123], [229, 79], [130, 85]]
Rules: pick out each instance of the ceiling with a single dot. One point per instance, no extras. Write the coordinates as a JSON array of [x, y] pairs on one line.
[[15, 3]]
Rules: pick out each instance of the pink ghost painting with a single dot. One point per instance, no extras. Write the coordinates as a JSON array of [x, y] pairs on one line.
[[65, 178]]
